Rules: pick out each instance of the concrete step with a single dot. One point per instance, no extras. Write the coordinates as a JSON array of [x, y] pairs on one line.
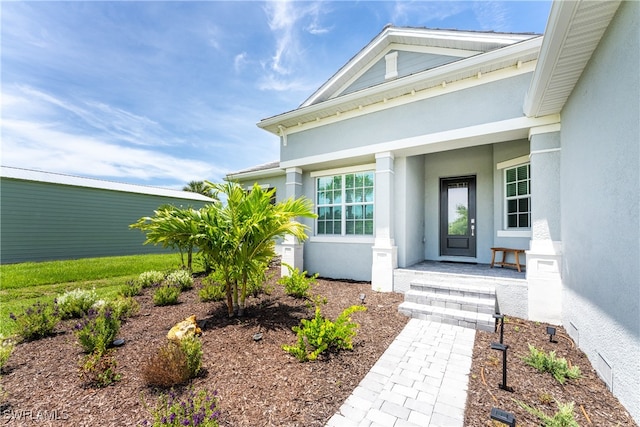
[[465, 302], [451, 316], [454, 289]]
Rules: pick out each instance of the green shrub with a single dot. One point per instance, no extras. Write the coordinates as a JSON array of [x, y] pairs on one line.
[[212, 292], [297, 284], [76, 303], [37, 321], [97, 330], [6, 348], [99, 370], [123, 307], [194, 409], [563, 418], [150, 278], [320, 334], [181, 279], [166, 295], [558, 367], [131, 289], [174, 363]]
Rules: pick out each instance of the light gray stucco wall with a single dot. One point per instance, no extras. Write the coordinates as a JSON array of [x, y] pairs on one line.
[[601, 208], [545, 176], [503, 152], [409, 209], [468, 161], [486, 103], [277, 182]]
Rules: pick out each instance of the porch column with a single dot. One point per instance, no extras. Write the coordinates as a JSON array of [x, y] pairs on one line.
[[544, 257], [292, 249], [385, 253]]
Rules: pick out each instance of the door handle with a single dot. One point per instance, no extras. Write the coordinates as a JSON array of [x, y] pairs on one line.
[[473, 227]]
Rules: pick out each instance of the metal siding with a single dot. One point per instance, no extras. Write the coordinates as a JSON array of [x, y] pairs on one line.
[[43, 221]]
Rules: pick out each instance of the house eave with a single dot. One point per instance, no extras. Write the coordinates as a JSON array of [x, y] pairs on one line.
[[509, 56], [258, 174], [573, 32]]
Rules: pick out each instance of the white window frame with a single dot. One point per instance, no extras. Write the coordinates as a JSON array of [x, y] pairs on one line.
[[342, 237], [504, 167]]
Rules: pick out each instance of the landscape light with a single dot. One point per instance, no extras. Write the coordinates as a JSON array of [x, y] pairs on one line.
[[362, 297], [500, 317], [551, 331], [503, 417], [503, 348]]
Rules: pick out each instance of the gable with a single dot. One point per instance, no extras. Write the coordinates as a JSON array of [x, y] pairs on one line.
[[407, 63]]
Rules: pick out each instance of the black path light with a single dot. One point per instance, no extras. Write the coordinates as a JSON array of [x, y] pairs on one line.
[[503, 348], [362, 297], [499, 317], [551, 331], [503, 417]]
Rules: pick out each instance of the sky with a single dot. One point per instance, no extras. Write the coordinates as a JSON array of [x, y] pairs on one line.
[[162, 93]]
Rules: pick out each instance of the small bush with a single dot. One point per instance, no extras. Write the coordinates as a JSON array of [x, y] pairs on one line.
[[131, 289], [99, 370], [563, 418], [123, 307], [76, 303], [195, 409], [558, 367], [6, 348], [150, 278], [212, 292], [174, 363], [37, 321], [320, 334], [297, 284], [166, 295], [97, 331], [181, 279]]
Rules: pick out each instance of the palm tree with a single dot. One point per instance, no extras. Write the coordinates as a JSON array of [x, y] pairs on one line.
[[199, 187], [238, 237]]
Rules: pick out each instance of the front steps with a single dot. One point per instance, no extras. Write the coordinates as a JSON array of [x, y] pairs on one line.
[[455, 303]]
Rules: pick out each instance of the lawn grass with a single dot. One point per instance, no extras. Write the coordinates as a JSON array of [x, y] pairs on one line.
[[22, 285]]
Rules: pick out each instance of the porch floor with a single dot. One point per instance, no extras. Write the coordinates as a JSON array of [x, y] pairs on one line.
[[466, 269]]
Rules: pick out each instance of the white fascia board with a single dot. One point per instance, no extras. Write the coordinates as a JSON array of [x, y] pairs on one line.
[[473, 62], [560, 18], [76, 181], [259, 174], [487, 133]]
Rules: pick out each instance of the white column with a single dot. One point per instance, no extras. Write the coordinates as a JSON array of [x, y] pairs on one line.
[[385, 253], [544, 257], [292, 249]]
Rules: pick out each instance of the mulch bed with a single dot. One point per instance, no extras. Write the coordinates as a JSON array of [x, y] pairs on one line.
[[594, 403], [258, 384]]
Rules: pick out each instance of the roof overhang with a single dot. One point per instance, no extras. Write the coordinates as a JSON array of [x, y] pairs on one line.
[[267, 170], [573, 32], [509, 56]]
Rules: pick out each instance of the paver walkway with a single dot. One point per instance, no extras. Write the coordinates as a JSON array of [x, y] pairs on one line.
[[420, 380]]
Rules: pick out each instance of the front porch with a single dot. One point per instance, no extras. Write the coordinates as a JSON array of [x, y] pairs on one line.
[[510, 286]]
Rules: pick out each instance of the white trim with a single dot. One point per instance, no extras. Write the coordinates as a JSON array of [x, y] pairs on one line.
[[339, 171], [385, 155], [486, 133], [292, 183], [260, 174], [370, 105], [513, 162], [391, 171], [342, 239], [514, 233], [463, 70], [544, 129], [293, 170], [432, 50], [548, 150]]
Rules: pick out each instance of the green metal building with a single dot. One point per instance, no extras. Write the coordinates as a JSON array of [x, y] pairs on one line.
[[49, 216]]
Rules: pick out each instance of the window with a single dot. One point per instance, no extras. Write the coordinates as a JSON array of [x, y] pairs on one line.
[[344, 204], [518, 196]]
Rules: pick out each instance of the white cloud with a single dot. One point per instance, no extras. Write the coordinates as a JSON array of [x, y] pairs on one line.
[[425, 12], [240, 61], [492, 15]]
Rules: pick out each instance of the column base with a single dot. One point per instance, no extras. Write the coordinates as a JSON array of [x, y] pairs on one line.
[[385, 261], [292, 255], [544, 281]]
